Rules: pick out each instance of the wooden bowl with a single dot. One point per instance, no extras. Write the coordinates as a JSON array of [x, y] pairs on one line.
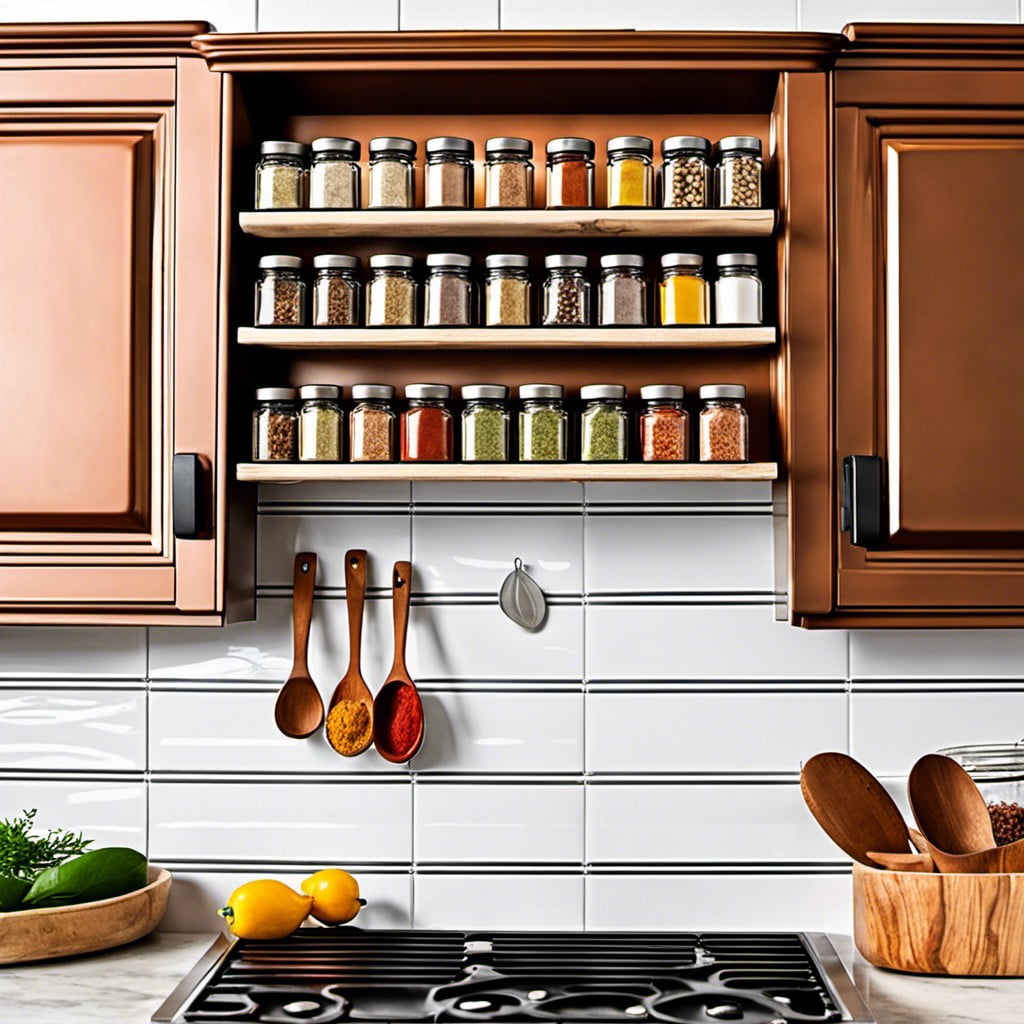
[[958, 924], [84, 927]]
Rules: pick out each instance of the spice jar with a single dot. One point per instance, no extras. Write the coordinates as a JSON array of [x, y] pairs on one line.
[[664, 424], [683, 291], [506, 290], [998, 770], [449, 292], [603, 426], [334, 174], [566, 291], [485, 423], [543, 424], [275, 425], [723, 423], [738, 171], [391, 173], [737, 289], [319, 423], [685, 173], [427, 434], [449, 174], [508, 173], [623, 293], [570, 178], [371, 424], [630, 171], [281, 176], [391, 293], [280, 292], [335, 291]]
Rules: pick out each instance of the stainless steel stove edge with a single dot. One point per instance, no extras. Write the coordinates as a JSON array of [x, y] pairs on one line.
[[821, 950], [190, 986]]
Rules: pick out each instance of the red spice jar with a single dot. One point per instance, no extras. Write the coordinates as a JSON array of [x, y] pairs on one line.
[[664, 424], [427, 431], [570, 177]]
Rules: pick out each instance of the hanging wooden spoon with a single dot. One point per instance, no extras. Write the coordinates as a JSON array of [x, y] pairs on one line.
[[299, 710], [948, 806], [350, 730]]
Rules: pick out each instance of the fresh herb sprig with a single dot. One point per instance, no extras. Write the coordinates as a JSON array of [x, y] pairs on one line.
[[24, 855]]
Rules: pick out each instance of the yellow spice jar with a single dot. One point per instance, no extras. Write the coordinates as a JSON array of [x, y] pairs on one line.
[[683, 291], [630, 171]]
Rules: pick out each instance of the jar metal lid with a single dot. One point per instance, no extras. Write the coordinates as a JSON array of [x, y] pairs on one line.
[[723, 391], [564, 260], [276, 394], [682, 259], [449, 143], [989, 762], [427, 391], [386, 260], [506, 259], [319, 391], [280, 147], [384, 143], [334, 144], [622, 259], [541, 391], [736, 259], [676, 142], [591, 391], [280, 263], [509, 144], [747, 143], [674, 392], [449, 259], [335, 260], [372, 391], [570, 145], [637, 142], [472, 391]]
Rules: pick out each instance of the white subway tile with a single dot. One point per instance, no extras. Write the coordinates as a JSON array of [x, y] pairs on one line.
[[711, 732], [497, 823], [828, 16], [224, 15], [937, 654], [72, 652], [499, 901], [530, 494], [327, 15], [73, 730], [449, 14], [647, 14], [689, 492]]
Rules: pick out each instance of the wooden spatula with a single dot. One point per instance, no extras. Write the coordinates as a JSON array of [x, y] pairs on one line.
[[299, 711]]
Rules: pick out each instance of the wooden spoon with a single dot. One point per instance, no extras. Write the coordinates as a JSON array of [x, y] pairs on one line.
[[904, 861], [948, 806], [352, 686], [852, 806], [995, 860], [299, 711], [399, 688]]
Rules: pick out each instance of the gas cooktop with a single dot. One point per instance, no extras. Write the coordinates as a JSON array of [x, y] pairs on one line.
[[324, 975]]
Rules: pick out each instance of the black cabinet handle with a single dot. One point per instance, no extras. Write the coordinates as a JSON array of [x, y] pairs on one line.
[[863, 509], [188, 496]]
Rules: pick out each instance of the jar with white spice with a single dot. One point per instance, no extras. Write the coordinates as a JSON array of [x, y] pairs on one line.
[[449, 292], [391, 173], [623, 294], [738, 289], [334, 174]]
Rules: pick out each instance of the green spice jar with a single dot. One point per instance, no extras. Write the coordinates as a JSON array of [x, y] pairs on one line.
[[603, 427], [543, 424], [485, 423]]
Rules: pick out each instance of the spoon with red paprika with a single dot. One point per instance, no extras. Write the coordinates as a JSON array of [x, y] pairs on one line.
[[397, 708]]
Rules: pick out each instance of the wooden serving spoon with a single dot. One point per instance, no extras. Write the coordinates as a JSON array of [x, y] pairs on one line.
[[948, 806], [904, 861], [299, 711], [399, 688], [352, 685], [996, 860]]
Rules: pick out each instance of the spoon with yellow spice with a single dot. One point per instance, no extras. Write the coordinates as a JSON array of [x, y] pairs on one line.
[[350, 712]]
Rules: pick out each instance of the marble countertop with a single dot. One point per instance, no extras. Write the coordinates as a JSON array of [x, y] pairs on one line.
[[125, 986]]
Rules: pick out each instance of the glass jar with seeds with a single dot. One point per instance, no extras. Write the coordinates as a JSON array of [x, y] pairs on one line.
[[334, 174], [335, 291], [371, 424], [320, 423], [506, 290], [449, 292], [280, 292], [664, 424], [543, 424], [570, 174], [738, 171], [723, 423], [281, 176], [391, 293], [275, 425], [622, 299], [686, 172], [508, 173], [391, 173], [684, 289], [630, 172], [566, 291], [604, 428], [449, 174], [737, 289], [485, 423]]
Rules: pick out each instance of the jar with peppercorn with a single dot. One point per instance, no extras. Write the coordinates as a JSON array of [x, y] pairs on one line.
[[738, 171], [280, 292], [723, 423], [566, 291], [275, 425], [685, 173], [998, 770], [371, 423], [664, 424], [335, 291]]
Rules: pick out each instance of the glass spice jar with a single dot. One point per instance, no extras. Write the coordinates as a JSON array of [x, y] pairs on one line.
[[622, 299], [570, 174], [683, 290], [334, 174], [506, 290], [391, 293], [603, 425], [738, 171], [280, 292], [427, 432], [485, 423], [335, 291], [508, 173], [630, 171], [723, 423], [391, 173], [664, 424], [371, 424], [543, 424], [449, 174], [319, 423], [281, 176], [686, 172], [737, 289], [275, 425], [566, 291], [449, 292]]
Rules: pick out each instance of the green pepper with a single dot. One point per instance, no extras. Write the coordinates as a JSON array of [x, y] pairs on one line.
[[12, 892], [97, 875]]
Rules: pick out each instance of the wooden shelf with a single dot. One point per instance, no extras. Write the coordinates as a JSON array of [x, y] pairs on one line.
[[534, 472], [507, 223], [385, 338]]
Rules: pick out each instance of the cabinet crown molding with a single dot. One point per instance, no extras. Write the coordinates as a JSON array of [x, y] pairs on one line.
[[73, 39]]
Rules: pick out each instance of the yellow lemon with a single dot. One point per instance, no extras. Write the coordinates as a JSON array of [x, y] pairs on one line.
[[335, 896], [265, 909]]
